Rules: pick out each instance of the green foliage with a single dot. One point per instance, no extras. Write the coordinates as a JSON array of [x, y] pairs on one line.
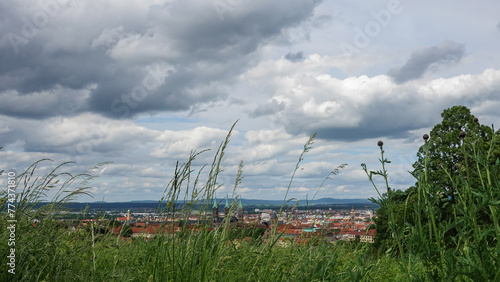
[[449, 220], [445, 156]]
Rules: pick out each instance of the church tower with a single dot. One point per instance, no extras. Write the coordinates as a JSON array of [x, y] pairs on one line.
[[240, 211], [215, 214], [353, 214], [226, 208]]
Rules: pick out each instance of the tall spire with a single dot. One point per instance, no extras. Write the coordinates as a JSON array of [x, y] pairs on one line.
[[240, 211], [215, 214], [226, 207]]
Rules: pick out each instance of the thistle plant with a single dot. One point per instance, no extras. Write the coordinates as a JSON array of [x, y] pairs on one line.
[[386, 201]]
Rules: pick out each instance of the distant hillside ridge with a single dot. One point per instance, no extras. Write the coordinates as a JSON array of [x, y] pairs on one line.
[[248, 203], [303, 202]]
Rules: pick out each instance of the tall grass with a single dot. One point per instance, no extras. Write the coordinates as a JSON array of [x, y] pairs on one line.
[[423, 247], [52, 251], [454, 241], [39, 251]]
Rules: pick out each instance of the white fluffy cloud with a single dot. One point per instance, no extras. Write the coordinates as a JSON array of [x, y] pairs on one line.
[[363, 107]]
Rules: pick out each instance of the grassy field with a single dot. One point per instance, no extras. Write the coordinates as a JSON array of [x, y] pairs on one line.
[[422, 244]]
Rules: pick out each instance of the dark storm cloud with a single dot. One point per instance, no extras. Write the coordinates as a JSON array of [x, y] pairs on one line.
[[200, 53], [39, 105], [270, 108], [295, 57], [384, 122], [356, 134], [35, 71], [380, 119], [420, 60]]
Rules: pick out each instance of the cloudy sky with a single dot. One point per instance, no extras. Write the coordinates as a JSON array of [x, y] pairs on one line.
[[142, 84]]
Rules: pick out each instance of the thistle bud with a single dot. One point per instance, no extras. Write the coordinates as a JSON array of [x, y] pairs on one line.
[[426, 137], [380, 143], [462, 134]]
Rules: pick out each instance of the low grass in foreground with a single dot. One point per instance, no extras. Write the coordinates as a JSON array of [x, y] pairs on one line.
[[47, 253], [422, 250]]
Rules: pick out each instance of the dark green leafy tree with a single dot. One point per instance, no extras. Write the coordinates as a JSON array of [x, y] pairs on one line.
[[448, 158], [458, 178], [451, 142], [450, 151]]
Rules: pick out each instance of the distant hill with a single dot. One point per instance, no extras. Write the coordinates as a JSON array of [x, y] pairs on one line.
[[303, 202], [249, 203], [332, 201]]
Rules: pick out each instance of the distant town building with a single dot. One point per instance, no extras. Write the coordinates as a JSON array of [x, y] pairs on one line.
[[240, 211]]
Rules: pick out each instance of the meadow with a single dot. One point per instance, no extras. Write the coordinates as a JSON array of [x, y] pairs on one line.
[[427, 236]]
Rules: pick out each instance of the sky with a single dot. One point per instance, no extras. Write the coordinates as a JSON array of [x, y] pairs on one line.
[[141, 85]]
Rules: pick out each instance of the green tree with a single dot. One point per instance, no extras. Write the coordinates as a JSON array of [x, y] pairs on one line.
[[456, 222], [448, 157], [449, 149], [451, 165]]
